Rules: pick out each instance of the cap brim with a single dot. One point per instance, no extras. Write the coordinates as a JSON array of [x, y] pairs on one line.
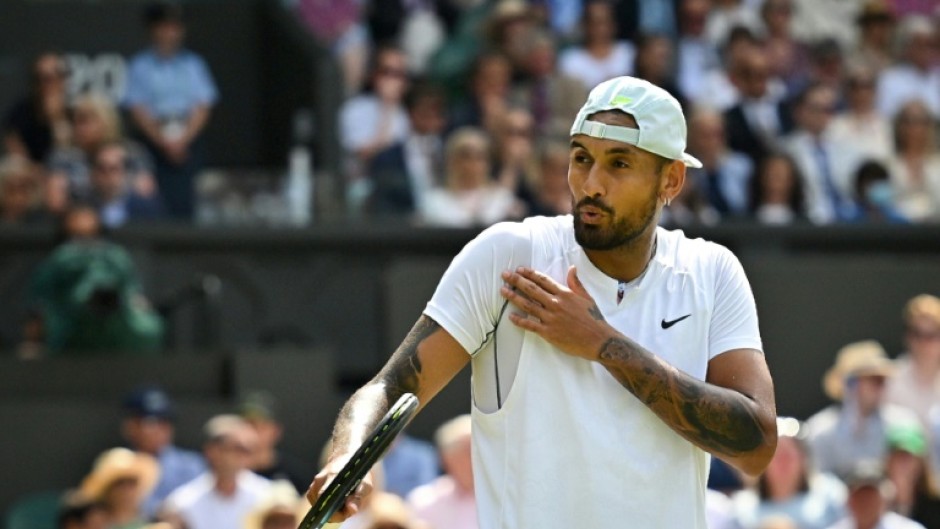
[[691, 161]]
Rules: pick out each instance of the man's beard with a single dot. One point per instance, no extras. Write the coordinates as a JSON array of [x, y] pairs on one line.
[[619, 233]]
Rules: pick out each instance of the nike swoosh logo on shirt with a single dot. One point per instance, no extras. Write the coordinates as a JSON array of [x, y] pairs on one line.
[[667, 324]]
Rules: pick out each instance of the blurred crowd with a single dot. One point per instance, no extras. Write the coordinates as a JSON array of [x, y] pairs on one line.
[[241, 479], [869, 460], [457, 111]]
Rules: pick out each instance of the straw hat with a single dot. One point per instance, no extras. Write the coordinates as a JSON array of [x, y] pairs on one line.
[[281, 498], [120, 463], [855, 360]]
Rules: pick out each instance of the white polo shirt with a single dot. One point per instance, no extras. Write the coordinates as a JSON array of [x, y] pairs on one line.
[[202, 507], [557, 441]]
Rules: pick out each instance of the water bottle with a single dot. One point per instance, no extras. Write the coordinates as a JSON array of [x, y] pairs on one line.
[[299, 188]]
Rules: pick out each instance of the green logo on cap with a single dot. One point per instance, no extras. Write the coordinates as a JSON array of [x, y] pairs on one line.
[[621, 100]]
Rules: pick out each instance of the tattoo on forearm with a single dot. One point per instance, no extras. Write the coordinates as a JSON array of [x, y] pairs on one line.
[[401, 375], [720, 420], [596, 312]]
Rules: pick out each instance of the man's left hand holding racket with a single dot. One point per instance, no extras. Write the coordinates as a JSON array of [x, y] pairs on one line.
[[338, 489]]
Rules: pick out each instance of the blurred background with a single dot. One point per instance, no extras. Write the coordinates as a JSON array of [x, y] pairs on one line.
[[222, 197]]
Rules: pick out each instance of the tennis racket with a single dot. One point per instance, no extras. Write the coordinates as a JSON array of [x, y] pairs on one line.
[[362, 460]]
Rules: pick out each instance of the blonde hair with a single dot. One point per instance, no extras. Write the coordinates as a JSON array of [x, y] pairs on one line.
[[99, 105], [452, 431], [460, 140]]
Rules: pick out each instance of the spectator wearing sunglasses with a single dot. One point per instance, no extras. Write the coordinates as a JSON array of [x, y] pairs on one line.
[[228, 493]]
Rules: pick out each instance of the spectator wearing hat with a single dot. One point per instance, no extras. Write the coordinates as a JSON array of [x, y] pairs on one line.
[[280, 508], [916, 384], [448, 502], [876, 25], [148, 427], [170, 95], [228, 492], [388, 511], [259, 409], [843, 434], [909, 471], [791, 487], [78, 511], [121, 479], [870, 494]]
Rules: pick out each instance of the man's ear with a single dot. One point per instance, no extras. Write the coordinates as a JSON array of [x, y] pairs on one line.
[[673, 179]]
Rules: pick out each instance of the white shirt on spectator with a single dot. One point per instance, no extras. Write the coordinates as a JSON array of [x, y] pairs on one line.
[[917, 199], [843, 160], [201, 506], [467, 208], [814, 20], [697, 57], [579, 64], [870, 134], [360, 122], [903, 83], [890, 520]]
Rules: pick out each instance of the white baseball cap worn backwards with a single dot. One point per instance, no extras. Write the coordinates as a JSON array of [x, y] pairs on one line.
[[661, 124]]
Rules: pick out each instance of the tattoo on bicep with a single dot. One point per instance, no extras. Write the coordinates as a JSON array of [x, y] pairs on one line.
[[596, 312], [720, 420], [403, 370]]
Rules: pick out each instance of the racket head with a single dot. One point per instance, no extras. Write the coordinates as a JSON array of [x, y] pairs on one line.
[[371, 450]]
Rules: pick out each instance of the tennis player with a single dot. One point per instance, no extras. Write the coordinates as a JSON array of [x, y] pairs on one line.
[[611, 357]]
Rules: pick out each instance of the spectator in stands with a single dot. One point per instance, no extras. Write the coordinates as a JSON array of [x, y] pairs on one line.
[[697, 57], [448, 502], [776, 193], [876, 25], [112, 189], [656, 63], [148, 427], [96, 122], [915, 167], [551, 96], [827, 165], [908, 470], [647, 17], [874, 197], [601, 55], [826, 67], [408, 464], [515, 158], [224, 496], [373, 121], [917, 76], [727, 14], [916, 385], [338, 26], [20, 192], [404, 172], [470, 197], [790, 487], [690, 207], [716, 88], [37, 123], [789, 58], [725, 175], [860, 124], [259, 409], [552, 194], [120, 480], [387, 511], [77, 511], [490, 84], [870, 493], [170, 95], [88, 295], [280, 508], [842, 435], [815, 20], [508, 28], [757, 122]]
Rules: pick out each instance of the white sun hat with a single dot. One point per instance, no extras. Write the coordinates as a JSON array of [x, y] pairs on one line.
[[658, 115]]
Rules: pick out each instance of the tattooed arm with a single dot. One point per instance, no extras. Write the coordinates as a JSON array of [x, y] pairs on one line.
[[730, 415], [423, 364]]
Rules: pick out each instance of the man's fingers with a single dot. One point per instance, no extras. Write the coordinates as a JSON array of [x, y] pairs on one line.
[[521, 301], [528, 287], [541, 279]]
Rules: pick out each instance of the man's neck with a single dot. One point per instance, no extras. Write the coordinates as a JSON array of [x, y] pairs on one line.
[[627, 262], [226, 485]]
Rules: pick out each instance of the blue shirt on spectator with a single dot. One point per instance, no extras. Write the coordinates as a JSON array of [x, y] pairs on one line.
[[408, 464], [177, 467], [169, 87]]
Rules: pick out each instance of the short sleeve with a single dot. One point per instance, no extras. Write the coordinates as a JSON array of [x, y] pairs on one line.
[[467, 303], [135, 93], [206, 91], [734, 319]]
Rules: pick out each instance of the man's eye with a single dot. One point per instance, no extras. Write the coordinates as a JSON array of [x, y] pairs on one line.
[[580, 158], [620, 164]]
